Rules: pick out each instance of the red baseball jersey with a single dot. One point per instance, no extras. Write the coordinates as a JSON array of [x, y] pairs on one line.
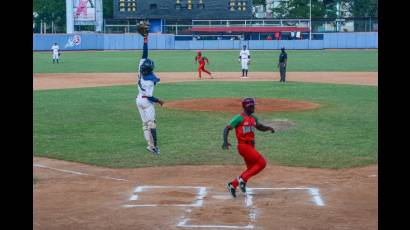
[[201, 59], [244, 127]]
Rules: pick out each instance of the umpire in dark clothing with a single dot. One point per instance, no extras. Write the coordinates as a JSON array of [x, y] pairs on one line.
[[283, 60]]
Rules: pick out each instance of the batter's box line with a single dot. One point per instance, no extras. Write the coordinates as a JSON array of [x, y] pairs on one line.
[[314, 192], [198, 202], [182, 224]]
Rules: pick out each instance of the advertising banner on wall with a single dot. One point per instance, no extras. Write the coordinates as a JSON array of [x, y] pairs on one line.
[[73, 41], [84, 11]]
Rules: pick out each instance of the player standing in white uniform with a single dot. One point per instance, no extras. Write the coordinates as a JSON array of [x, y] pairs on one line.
[[146, 101], [244, 58], [56, 54]]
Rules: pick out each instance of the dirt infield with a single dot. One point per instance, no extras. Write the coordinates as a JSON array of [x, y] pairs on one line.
[[234, 105], [70, 195], [78, 80], [100, 198]]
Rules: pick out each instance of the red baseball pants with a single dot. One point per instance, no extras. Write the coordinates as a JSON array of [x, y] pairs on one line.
[[255, 162], [202, 67]]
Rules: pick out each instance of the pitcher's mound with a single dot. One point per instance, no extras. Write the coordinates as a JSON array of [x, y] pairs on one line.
[[234, 105]]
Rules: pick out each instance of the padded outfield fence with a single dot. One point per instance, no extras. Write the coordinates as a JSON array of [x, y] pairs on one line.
[[99, 41]]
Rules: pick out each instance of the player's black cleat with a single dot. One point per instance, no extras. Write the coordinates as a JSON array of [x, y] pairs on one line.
[[242, 184], [153, 150], [231, 189], [157, 151]]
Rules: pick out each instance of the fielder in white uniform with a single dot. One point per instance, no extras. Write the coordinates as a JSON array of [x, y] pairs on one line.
[[56, 54], [244, 58], [146, 101]]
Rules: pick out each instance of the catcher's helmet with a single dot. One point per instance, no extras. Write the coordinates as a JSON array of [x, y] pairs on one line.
[[147, 67], [247, 102]]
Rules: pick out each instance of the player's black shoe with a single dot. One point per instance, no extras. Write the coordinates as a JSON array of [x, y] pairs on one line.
[[242, 184], [157, 151], [153, 150], [231, 189]]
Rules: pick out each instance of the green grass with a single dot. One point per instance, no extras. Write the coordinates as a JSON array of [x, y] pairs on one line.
[[221, 61], [101, 126]]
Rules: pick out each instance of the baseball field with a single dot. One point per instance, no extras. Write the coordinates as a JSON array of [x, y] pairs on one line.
[[91, 169]]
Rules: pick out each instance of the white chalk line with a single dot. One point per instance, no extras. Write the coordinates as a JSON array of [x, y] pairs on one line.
[[316, 196], [252, 216], [314, 192], [249, 226], [296, 188], [198, 202], [140, 188], [158, 205], [77, 173], [248, 197], [201, 193], [139, 205]]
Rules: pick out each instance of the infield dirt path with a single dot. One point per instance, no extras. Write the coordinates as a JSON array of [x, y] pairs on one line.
[[77, 80], [70, 195], [63, 199]]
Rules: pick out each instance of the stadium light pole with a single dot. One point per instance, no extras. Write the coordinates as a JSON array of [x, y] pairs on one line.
[[310, 19], [69, 17]]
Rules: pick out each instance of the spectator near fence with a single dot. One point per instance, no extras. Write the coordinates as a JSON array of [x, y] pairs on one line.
[[277, 35]]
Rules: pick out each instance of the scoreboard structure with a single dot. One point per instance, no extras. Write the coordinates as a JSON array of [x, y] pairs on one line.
[[183, 9]]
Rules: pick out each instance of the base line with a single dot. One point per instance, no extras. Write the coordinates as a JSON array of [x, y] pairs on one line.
[[77, 173], [249, 226]]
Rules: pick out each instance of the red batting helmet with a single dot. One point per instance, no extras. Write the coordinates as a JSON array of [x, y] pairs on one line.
[[247, 102]]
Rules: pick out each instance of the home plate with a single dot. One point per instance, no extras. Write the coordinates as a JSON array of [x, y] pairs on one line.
[[222, 197]]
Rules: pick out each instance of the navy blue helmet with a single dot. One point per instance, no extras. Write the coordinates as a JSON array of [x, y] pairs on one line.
[[147, 67]]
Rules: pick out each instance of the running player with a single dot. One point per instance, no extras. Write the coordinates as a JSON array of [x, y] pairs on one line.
[[201, 60], [244, 125]]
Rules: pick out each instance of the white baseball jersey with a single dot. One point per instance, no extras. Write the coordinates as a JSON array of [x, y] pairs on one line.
[[146, 107], [145, 88], [55, 49], [244, 54]]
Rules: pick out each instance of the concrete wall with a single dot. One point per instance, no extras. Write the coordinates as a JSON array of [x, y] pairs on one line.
[[92, 41]]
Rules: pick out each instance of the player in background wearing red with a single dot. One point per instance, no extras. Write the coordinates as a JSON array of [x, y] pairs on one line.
[[201, 60], [245, 124]]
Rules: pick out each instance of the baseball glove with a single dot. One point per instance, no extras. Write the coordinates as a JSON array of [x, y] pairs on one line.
[[249, 62], [143, 28]]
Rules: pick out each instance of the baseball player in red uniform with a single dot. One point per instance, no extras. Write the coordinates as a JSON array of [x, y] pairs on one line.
[[201, 60], [245, 124]]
